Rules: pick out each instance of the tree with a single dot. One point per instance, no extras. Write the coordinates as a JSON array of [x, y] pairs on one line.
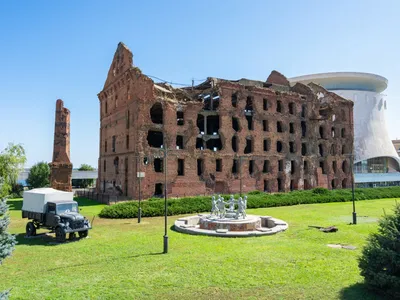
[[12, 160], [39, 175], [380, 260], [84, 182]]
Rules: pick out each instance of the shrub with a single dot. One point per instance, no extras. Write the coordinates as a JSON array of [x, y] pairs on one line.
[[320, 191], [380, 260], [189, 205]]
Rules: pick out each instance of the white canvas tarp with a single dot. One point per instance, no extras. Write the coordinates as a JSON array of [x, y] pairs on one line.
[[35, 200]]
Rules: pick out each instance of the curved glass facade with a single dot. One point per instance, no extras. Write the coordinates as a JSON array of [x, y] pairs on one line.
[[376, 165]]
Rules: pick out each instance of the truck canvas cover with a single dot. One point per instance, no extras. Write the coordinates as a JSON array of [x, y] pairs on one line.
[[35, 200]]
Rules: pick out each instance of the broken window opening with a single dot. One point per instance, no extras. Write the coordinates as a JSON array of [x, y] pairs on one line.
[[306, 184], [106, 107], [266, 186], [280, 165], [333, 184], [128, 119], [343, 115], [251, 167], [334, 166], [280, 185], [235, 124], [105, 146], [322, 166], [114, 140], [343, 132], [214, 101], [234, 144], [249, 122], [207, 102], [214, 144], [266, 166], [279, 127], [345, 166], [116, 165], [127, 141], [265, 125], [303, 111], [200, 123], [156, 113], [292, 185], [179, 142], [212, 125], [179, 118], [267, 144], [292, 167], [321, 149], [265, 104], [158, 165], [199, 143], [158, 190], [292, 147], [333, 149], [345, 149], [234, 99], [279, 146], [291, 128], [291, 108], [218, 165], [279, 106], [249, 104], [235, 166], [333, 132], [345, 183], [181, 167], [249, 146], [303, 149], [155, 139], [321, 132], [303, 129], [305, 167], [200, 166], [105, 166]]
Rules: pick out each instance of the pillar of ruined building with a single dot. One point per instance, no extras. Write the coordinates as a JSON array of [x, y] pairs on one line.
[[61, 167]]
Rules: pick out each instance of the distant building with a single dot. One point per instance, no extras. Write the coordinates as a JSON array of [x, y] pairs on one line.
[[396, 144], [222, 135], [373, 149]]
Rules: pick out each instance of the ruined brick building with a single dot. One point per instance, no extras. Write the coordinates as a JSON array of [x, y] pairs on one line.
[[221, 135], [61, 167]]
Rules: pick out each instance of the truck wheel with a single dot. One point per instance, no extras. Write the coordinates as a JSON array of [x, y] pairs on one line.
[[30, 229], [60, 235], [83, 234]]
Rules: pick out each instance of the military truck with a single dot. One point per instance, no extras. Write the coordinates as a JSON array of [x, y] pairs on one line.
[[54, 210]]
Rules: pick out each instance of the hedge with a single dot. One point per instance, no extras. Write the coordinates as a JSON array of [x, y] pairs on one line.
[[256, 199]]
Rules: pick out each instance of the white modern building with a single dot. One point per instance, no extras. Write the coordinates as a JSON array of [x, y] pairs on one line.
[[373, 149]]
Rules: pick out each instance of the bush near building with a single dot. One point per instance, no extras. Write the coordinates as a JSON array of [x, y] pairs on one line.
[[187, 205], [380, 260]]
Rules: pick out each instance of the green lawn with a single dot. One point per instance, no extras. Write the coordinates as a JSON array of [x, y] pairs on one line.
[[122, 259]]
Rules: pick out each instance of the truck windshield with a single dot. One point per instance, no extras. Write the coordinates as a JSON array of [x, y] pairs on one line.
[[67, 208]]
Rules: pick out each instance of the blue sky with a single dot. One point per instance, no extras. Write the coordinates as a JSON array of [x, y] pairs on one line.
[[63, 49]]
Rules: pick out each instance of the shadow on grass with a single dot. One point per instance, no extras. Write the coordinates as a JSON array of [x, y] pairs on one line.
[[109, 259], [359, 291], [42, 239]]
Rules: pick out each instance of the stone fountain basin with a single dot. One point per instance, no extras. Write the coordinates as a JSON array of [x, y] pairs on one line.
[[252, 225]]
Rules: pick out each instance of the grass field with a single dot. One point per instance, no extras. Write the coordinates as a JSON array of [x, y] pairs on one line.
[[122, 259]]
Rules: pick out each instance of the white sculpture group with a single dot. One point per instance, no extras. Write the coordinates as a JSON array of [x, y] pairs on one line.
[[219, 207]]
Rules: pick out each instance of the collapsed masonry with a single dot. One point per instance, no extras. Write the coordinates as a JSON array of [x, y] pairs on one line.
[[61, 167], [221, 135]]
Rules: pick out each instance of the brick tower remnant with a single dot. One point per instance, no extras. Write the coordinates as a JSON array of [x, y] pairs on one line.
[[61, 167]]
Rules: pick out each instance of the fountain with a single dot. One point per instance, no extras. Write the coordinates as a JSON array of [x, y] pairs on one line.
[[230, 222]]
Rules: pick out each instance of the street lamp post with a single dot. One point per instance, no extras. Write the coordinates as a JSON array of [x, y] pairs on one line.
[[140, 194], [352, 189], [165, 202]]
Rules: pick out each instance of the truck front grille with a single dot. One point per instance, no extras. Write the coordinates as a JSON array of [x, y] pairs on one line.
[[77, 224]]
